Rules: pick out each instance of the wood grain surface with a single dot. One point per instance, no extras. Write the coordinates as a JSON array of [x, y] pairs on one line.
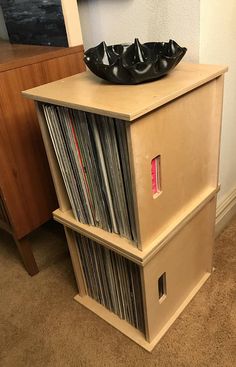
[[12, 55], [25, 178], [128, 102]]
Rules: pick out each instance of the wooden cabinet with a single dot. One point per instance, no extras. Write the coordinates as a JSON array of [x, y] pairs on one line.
[[27, 192], [141, 288]]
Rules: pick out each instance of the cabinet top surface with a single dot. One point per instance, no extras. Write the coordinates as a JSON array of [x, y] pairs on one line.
[[16, 55], [89, 93]]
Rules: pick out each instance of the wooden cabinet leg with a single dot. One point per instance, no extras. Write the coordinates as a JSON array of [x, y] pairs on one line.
[[27, 256]]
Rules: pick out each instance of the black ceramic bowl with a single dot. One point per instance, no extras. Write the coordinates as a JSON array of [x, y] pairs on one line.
[[133, 63]]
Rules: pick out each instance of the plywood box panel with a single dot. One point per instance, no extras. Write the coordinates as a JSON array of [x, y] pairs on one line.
[[121, 245], [185, 134], [186, 260]]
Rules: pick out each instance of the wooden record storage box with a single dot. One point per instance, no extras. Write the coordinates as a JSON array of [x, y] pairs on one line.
[[155, 149]]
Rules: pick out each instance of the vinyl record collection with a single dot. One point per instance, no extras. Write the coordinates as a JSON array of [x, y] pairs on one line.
[[112, 280], [92, 153]]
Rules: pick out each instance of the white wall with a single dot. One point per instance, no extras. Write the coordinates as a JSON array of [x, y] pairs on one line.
[[117, 21], [218, 46]]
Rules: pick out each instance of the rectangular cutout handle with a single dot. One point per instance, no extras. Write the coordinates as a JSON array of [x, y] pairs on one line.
[[156, 176], [162, 290]]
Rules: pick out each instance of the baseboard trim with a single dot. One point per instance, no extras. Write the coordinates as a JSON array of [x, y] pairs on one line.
[[225, 211]]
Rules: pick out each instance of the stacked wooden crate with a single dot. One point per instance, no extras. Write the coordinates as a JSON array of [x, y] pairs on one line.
[[172, 127]]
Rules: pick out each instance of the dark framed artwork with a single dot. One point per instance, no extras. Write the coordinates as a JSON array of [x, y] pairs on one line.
[[38, 22]]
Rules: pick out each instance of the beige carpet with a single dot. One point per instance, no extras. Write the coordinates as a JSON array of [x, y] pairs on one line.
[[41, 325]]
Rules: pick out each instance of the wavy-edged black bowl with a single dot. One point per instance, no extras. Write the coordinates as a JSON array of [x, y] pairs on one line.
[[133, 63]]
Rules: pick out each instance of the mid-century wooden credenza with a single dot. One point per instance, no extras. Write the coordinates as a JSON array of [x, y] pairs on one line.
[[27, 196]]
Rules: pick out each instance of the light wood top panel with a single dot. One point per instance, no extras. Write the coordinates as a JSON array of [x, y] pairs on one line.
[[121, 245], [128, 102]]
